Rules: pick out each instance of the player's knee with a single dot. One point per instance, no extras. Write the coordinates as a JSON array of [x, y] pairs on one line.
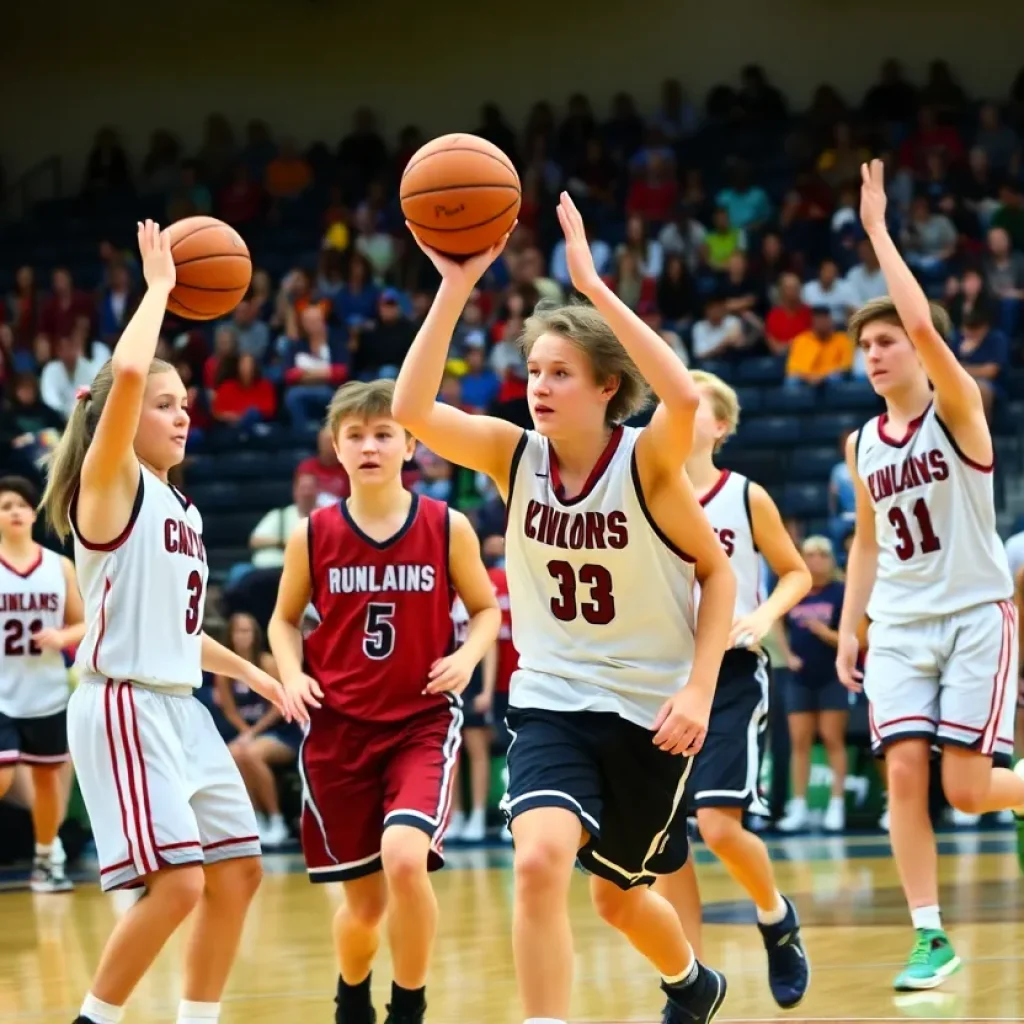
[[365, 902], [244, 877], [404, 853], [540, 865], [965, 794], [179, 890], [614, 906], [718, 828], [906, 773]]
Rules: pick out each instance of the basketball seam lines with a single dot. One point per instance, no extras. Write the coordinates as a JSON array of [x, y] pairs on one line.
[[196, 231], [214, 256], [460, 149], [465, 227], [455, 188]]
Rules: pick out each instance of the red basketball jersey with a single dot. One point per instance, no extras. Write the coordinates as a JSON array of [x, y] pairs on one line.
[[508, 656], [385, 612]]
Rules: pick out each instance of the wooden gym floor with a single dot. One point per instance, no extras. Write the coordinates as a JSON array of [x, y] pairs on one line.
[[855, 927]]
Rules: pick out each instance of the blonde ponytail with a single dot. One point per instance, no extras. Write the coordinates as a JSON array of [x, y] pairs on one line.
[[64, 464]]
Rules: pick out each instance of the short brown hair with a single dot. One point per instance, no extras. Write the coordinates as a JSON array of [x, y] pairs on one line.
[[583, 325], [22, 487], [883, 310], [363, 400]]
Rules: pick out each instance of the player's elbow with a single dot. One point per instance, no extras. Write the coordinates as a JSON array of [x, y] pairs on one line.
[[408, 408], [129, 369]]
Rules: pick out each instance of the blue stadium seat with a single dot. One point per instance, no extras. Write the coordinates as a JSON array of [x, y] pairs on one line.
[[789, 400], [762, 370], [229, 529], [804, 500], [851, 396], [827, 428], [812, 465], [720, 368], [219, 496], [766, 467], [769, 432], [751, 399]]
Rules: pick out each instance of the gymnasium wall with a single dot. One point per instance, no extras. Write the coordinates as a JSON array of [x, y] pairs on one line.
[[304, 64]]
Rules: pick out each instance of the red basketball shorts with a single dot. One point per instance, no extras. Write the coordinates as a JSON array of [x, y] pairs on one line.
[[360, 777]]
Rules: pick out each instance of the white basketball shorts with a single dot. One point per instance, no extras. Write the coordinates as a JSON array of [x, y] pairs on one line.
[[950, 679], [159, 784]]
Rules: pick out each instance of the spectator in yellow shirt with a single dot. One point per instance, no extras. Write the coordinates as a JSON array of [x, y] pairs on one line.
[[820, 354]]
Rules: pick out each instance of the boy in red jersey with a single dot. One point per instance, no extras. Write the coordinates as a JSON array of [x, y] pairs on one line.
[[377, 761]]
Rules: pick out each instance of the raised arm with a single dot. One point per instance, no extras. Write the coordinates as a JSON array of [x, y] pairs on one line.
[[861, 567], [794, 579], [665, 443], [957, 397], [481, 443], [110, 473]]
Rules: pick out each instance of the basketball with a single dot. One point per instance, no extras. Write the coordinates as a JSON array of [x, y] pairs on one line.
[[460, 194], [214, 268]]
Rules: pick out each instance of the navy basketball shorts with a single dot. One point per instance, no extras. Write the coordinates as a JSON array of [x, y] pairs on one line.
[[607, 771], [40, 741]]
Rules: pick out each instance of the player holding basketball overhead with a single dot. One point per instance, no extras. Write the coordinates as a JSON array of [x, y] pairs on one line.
[[724, 780], [40, 615], [928, 567], [379, 757], [614, 686], [167, 805]]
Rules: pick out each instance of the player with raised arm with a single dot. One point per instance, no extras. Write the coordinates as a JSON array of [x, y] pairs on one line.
[[604, 543], [928, 568], [723, 784], [381, 676], [167, 806], [40, 616]]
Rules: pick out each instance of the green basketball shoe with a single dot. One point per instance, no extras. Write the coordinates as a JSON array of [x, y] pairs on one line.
[[931, 961]]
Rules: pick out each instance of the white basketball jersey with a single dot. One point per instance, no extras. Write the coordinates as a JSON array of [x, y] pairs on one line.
[[33, 681], [460, 622], [145, 593], [727, 506], [602, 605], [935, 520]]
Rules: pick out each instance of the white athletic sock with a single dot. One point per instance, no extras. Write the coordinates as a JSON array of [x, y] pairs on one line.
[[197, 1013], [100, 1012], [684, 977], [926, 917], [43, 852], [776, 915]]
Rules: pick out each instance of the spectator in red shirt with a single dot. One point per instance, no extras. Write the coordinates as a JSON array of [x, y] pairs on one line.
[[64, 306], [242, 398], [931, 135], [653, 195], [223, 358], [789, 318]]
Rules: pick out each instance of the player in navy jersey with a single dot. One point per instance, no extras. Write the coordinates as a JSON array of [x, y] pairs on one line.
[[927, 566], [383, 682], [604, 544]]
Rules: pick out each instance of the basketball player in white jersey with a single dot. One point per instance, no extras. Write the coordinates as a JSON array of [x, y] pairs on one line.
[[724, 781], [167, 805], [40, 616], [927, 566], [605, 540]]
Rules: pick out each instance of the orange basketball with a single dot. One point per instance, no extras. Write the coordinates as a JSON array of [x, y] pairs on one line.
[[214, 268], [460, 194]]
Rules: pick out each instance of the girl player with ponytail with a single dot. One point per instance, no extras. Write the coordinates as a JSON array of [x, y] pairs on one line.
[[167, 805]]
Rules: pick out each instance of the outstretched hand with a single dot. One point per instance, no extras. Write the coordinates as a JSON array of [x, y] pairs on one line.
[[466, 273], [578, 257], [157, 262], [872, 196]]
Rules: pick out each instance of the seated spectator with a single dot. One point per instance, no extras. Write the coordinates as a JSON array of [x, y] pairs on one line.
[[1010, 214], [270, 535], [241, 397], [198, 404], [252, 334], [978, 186], [374, 243], [788, 319], [653, 318], [257, 736], [1004, 266], [722, 240], [62, 377], [117, 304], [772, 262], [224, 356], [650, 257], [683, 236], [719, 335], [676, 294], [600, 250], [480, 384], [379, 350], [288, 174], [865, 280], [928, 239], [742, 292], [595, 178], [821, 354], [331, 479], [469, 330], [747, 204], [190, 196], [356, 302], [435, 474], [654, 194], [997, 140], [840, 163], [29, 428], [930, 136], [828, 289], [318, 367], [24, 307], [969, 295], [629, 282], [985, 354], [63, 307], [242, 201]]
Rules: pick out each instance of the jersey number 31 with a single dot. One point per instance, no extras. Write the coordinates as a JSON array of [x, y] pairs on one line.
[[599, 610]]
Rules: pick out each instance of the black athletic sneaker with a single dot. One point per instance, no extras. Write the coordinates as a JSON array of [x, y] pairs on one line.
[[696, 1003], [405, 1018], [789, 971], [353, 1006]]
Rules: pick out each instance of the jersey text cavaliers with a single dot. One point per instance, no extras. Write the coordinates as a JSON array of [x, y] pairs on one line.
[[574, 531], [182, 539], [376, 579], [914, 471]]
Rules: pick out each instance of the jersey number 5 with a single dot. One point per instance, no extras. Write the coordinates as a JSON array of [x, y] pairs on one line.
[[599, 610], [904, 539], [194, 586], [15, 644], [379, 633]]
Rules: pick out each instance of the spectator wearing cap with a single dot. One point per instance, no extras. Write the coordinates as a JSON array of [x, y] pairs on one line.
[[820, 354], [379, 350], [984, 353]]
